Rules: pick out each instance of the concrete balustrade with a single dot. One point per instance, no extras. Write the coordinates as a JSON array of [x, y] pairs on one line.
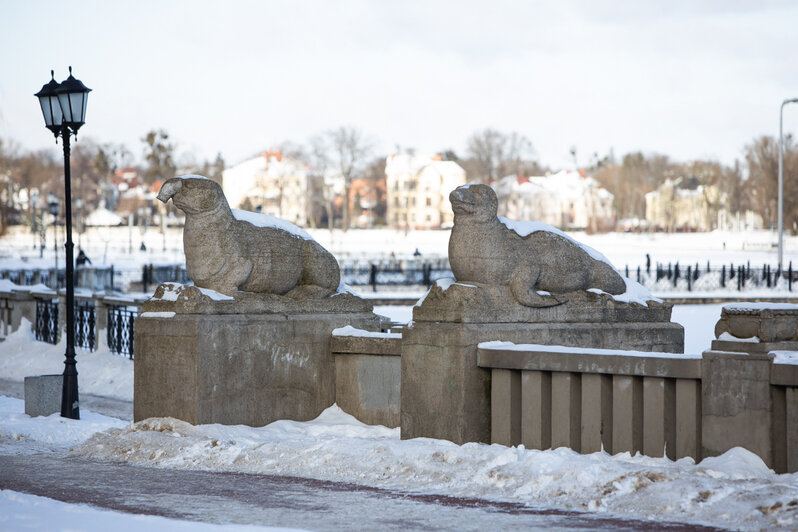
[[592, 399], [658, 404]]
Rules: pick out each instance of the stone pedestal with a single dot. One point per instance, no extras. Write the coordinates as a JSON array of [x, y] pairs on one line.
[[43, 394], [206, 358], [446, 395]]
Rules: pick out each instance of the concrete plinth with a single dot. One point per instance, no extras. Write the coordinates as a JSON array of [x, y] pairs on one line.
[[446, 395], [367, 377], [43, 394], [737, 403], [240, 364]]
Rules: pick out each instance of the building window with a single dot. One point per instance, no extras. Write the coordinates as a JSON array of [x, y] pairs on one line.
[[429, 202]]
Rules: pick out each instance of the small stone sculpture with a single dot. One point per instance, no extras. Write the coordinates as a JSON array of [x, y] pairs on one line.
[[230, 250], [768, 322], [536, 267]]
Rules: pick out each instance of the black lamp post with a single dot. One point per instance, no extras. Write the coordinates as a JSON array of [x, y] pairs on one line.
[[64, 109]]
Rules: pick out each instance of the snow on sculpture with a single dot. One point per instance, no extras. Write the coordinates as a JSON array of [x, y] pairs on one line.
[[230, 251], [537, 264]]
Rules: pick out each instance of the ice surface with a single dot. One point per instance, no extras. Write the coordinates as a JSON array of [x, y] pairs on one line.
[[21, 511]]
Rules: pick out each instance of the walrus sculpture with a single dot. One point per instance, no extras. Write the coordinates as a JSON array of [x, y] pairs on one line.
[[484, 249], [230, 250]]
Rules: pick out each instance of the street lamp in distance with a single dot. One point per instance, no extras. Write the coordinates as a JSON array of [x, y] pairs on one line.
[[52, 208], [64, 110], [781, 179]]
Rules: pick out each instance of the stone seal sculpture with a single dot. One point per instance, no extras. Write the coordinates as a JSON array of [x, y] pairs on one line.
[[229, 250], [484, 249]]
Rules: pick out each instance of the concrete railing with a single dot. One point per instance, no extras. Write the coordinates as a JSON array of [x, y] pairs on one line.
[[18, 303], [654, 403], [89, 277], [367, 374]]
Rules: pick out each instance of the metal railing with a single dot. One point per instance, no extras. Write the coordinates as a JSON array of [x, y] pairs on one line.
[[120, 331], [674, 277], [85, 325], [46, 329]]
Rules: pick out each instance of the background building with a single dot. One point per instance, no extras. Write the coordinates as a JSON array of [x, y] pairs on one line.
[[417, 191], [683, 204], [569, 200], [269, 183]]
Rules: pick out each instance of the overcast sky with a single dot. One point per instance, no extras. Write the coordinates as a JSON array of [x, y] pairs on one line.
[[688, 79]]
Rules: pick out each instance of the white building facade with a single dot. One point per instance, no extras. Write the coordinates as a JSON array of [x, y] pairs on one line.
[[568, 200], [417, 191], [269, 183]]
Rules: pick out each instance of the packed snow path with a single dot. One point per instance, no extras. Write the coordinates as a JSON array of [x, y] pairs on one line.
[[225, 498]]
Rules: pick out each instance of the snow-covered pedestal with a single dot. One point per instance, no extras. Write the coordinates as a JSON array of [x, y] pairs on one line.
[[446, 395], [208, 358]]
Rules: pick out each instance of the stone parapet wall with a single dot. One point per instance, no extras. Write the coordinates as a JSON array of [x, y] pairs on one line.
[[368, 374]]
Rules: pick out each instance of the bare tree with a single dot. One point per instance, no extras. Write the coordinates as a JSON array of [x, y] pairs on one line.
[[493, 155], [761, 188], [631, 180], [159, 154], [321, 194], [349, 149]]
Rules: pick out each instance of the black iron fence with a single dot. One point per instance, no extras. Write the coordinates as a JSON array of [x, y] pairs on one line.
[[671, 277], [46, 329], [120, 331], [396, 273], [695, 277], [47, 326], [85, 336]]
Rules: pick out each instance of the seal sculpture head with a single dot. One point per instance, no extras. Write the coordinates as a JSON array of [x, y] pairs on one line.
[[229, 250], [537, 262]]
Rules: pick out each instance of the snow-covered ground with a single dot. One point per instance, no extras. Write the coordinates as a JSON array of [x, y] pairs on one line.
[[100, 372], [735, 490]]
